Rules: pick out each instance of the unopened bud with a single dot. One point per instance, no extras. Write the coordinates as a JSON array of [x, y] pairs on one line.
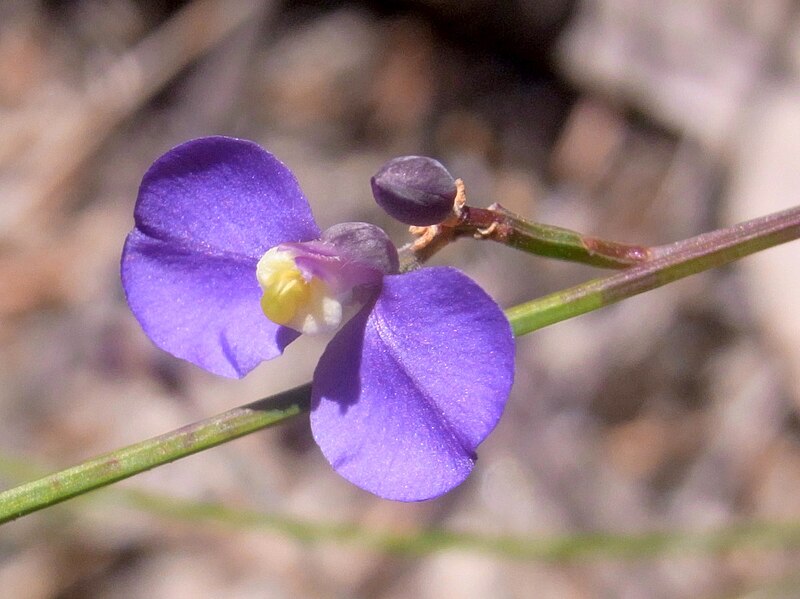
[[415, 190], [365, 244]]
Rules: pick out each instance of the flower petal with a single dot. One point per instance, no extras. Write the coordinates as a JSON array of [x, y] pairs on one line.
[[406, 391], [223, 194], [203, 308]]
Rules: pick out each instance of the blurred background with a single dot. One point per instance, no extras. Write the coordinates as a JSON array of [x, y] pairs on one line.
[[644, 122]]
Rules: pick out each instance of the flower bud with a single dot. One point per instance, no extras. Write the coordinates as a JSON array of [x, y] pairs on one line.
[[364, 243], [415, 190]]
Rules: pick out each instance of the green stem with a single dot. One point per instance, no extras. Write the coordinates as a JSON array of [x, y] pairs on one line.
[[503, 226], [139, 457], [668, 263], [763, 535]]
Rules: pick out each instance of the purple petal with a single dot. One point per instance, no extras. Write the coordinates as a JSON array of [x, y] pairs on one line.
[[223, 194], [406, 391], [207, 211], [203, 308]]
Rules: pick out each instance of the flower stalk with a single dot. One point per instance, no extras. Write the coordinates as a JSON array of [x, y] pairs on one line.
[[145, 455], [668, 263], [503, 226], [662, 265], [496, 223]]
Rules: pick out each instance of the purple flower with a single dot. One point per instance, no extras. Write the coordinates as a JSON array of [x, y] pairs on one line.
[[422, 363]]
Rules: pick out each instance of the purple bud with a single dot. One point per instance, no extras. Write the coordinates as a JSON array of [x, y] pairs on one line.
[[365, 244], [415, 190]]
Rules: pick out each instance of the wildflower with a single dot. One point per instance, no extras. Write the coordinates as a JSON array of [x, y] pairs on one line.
[[225, 267]]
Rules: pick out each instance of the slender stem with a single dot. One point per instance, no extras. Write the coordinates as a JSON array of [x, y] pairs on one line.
[[501, 225], [764, 535], [139, 457], [667, 264]]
